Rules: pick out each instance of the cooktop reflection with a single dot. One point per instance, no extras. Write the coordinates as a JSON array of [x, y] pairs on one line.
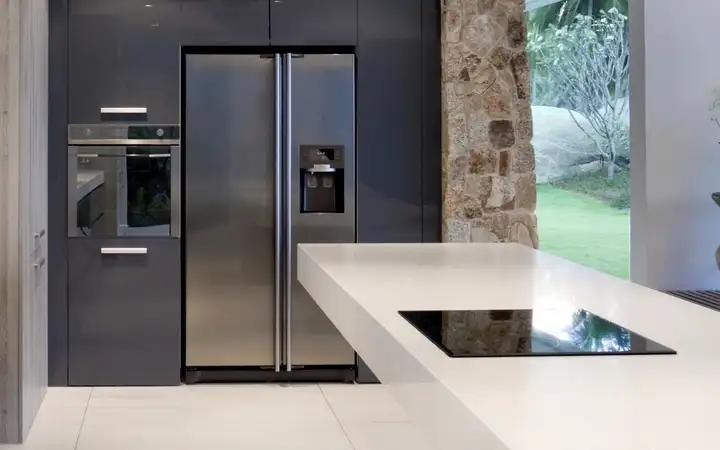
[[529, 332]]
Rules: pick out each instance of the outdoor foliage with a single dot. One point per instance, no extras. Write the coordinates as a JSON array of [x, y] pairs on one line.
[[563, 13], [578, 53], [584, 66]]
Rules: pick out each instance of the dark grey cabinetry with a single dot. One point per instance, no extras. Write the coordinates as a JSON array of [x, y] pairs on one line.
[[313, 22], [124, 312], [124, 54], [225, 22], [390, 126], [92, 73]]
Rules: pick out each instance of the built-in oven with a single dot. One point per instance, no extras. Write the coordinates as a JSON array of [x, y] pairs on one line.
[[124, 180]]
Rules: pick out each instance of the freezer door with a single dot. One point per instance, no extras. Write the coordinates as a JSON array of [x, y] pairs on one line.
[[321, 113], [229, 238]]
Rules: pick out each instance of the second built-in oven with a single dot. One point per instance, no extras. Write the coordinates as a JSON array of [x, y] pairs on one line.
[[124, 180]]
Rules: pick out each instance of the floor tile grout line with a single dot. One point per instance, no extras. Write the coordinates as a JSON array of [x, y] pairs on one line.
[[406, 419], [342, 427], [82, 422]]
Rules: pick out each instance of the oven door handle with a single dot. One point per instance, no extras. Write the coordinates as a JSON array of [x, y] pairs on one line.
[[149, 155], [128, 155]]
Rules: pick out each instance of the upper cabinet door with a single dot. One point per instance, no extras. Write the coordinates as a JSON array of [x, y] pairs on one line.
[[313, 22], [94, 50], [124, 54], [149, 61], [225, 22]]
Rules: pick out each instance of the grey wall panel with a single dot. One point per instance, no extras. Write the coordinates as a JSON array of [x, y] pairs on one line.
[[431, 122], [389, 121], [57, 195]]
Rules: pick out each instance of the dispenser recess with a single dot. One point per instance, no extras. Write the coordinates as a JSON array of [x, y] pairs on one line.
[[322, 179]]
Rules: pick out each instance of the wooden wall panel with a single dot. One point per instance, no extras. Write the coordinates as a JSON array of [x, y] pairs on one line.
[[23, 213]]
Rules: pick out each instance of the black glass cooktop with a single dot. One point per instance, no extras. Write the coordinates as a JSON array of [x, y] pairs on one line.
[[529, 332]]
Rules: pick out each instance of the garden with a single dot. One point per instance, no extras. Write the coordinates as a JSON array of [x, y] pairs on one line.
[[579, 52]]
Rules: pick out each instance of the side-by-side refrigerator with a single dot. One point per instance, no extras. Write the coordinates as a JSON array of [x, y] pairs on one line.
[[269, 145]]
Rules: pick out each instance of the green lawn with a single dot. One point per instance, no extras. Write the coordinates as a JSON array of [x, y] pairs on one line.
[[584, 230]]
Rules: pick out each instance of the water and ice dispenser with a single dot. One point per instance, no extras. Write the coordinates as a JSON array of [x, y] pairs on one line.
[[322, 179]]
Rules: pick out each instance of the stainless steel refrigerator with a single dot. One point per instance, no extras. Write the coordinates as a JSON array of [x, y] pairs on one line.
[[269, 146]]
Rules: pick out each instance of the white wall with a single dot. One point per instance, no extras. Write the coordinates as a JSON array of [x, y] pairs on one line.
[[675, 66]]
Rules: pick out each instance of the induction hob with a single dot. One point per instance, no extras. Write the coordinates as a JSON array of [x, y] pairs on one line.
[[529, 332]]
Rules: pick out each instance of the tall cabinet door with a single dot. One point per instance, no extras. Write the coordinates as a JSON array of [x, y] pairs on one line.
[[313, 22], [230, 211], [322, 113]]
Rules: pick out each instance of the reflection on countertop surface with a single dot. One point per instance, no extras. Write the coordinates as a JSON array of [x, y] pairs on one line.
[[88, 181], [528, 332]]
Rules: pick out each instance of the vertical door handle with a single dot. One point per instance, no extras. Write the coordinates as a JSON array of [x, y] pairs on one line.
[[175, 195], [278, 213], [287, 110]]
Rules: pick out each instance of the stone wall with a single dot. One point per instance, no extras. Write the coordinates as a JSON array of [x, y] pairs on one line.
[[489, 190]]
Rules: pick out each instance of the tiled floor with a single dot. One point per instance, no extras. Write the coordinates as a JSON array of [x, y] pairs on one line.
[[256, 417]]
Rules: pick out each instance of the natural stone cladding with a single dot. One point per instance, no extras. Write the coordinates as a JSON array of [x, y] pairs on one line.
[[489, 191]]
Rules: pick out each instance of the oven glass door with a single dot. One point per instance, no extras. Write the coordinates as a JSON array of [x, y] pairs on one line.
[[123, 191]]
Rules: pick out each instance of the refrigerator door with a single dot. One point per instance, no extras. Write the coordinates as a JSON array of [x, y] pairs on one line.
[[230, 216], [320, 99]]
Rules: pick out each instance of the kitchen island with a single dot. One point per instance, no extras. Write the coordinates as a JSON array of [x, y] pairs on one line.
[[624, 402]]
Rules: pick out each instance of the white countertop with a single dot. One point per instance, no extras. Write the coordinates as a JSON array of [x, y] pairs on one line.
[[657, 402]]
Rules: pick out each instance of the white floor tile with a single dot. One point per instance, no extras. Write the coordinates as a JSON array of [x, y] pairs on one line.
[[159, 428], [257, 417], [135, 397], [67, 396], [385, 436], [57, 424], [364, 403], [269, 402]]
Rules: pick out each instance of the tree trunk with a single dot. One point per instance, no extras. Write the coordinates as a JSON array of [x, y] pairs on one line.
[[611, 159]]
